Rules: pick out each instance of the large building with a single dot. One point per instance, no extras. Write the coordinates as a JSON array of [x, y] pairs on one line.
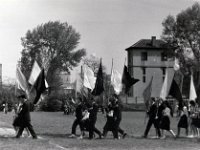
[[147, 58]]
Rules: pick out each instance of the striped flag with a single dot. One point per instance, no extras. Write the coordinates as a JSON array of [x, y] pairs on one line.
[[147, 94], [35, 73], [21, 80], [39, 86]]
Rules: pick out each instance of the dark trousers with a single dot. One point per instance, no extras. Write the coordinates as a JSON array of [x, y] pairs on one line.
[[93, 129], [155, 122], [75, 124], [30, 128]]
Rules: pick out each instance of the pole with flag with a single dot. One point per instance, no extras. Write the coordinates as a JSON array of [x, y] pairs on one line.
[[99, 87], [147, 94], [176, 93], [39, 86]]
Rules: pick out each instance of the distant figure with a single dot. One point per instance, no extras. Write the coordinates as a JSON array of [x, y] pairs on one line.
[[24, 117], [5, 108]]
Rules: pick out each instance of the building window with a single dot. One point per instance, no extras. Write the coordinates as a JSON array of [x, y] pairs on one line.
[[163, 56], [144, 56], [144, 74]]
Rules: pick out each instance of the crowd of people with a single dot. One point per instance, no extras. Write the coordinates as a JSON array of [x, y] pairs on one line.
[[86, 117], [160, 113]]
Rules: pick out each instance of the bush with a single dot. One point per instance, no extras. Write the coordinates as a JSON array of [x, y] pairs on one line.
[[51, 104]]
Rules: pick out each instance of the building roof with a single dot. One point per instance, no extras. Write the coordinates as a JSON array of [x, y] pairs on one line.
[[152, 43]]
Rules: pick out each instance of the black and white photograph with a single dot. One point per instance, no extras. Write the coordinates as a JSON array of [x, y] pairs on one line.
[[99, 74]]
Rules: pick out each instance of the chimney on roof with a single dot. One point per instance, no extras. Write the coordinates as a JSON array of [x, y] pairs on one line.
[[153, 40]]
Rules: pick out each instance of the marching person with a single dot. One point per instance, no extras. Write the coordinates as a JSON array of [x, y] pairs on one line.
[[24, 117], [154, 118], [92, 121], [117, 114], [183, 122], [165, 121], [78, 120], [16, 121], [110, 120]]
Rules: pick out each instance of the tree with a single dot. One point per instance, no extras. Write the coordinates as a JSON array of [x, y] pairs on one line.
[[182, 33], [53, 45], [93, 62]]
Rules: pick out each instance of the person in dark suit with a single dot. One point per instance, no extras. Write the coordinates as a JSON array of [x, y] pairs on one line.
[[92, 121], [153, 116], [78, 120], [25, 118], [117, 114]]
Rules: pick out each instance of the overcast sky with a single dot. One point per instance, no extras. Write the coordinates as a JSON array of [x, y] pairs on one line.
[[107, 27]]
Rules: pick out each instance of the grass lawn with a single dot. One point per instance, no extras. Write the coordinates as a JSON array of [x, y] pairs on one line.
[[54, 129]]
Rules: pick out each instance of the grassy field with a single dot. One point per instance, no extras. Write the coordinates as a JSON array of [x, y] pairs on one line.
[[54, 128]]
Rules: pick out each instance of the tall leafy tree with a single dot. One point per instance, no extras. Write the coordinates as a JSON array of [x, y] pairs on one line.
[[182, 33], [54, 46]]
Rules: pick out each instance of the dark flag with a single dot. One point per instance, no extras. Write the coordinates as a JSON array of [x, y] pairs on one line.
[[147, 94], [39, 86], [176, 93], [98, 89], [127, 80]]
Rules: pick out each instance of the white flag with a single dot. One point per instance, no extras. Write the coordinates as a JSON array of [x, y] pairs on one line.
[[21, 80], [89, 79], [193, 94], [164, 90], [116, 81], [35, 73], [176, 64]]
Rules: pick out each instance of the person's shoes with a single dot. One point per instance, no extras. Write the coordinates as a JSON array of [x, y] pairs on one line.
[[17, 137], [80, 137], [34, 137], [163, 137], [72, 136], [144, 136], [124, 135]]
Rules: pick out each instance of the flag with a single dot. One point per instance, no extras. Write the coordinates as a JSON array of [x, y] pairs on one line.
[[176, 64], [21, 80], [39, 86], [147, 94], [88, 78], [164, 90], [176, 93], [35, 73], [98, 89], [127, 80], [116, 82], [193, 94]]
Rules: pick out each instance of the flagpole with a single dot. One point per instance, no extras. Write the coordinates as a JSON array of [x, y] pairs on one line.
[[126, 93], [110, 78]]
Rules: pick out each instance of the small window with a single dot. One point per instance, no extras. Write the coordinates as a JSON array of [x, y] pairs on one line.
[[144, 56], [144, 74], [163, 56]]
